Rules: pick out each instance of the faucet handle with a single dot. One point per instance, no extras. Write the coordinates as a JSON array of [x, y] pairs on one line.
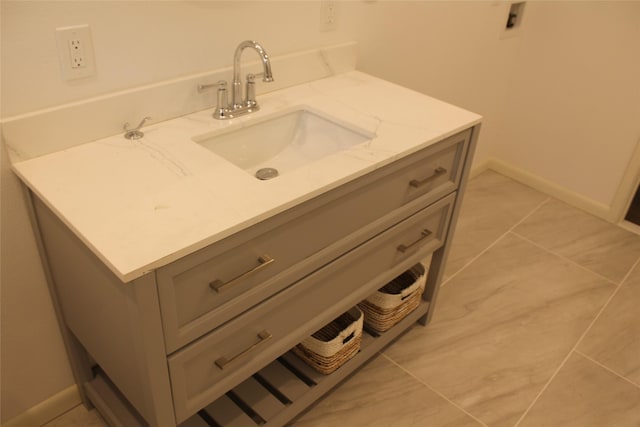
[[222, 94], [135, 133], [202, 88], [251, 91], [222, 107], [265, 78]]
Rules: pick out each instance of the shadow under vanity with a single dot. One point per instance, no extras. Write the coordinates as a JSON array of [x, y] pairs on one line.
[[204, 339]]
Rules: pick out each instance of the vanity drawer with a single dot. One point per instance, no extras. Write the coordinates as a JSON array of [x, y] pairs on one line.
[[200, 292], [210, 366]]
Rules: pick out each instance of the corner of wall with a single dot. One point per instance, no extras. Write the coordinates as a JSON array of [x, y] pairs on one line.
[[552, 189]]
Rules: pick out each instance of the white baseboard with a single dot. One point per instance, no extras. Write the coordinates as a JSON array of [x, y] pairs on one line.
[[478, 169], [629, 226], [46, 411], [570, 197]]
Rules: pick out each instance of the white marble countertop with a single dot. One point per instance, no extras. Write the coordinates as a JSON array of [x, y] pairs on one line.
[[139, 205]]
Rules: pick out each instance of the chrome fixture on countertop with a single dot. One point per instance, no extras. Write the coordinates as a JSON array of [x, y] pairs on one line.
[[240, 105], [135, 133]]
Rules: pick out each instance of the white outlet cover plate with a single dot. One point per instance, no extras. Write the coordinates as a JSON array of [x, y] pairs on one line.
[[64, 35], [328, 15]]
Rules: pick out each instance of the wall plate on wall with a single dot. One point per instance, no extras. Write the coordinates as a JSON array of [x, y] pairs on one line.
[[513, 19], [75, 51]]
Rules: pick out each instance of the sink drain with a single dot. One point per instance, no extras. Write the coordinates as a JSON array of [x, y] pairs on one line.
[[266, 173]]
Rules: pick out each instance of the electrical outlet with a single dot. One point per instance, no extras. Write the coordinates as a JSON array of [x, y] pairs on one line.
[[75, 50], [328, 15]]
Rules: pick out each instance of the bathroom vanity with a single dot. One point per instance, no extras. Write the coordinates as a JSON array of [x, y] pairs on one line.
[[182, 281]]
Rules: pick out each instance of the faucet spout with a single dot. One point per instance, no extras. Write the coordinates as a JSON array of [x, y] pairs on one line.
[[236, 95], [239, 105]]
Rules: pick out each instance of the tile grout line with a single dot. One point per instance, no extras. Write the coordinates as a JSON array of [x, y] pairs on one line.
[[472, 260], [574, 348], [606, 368], [623, 280], [630, 270], [618, 287], [432, 389], [626, 276], [580, 339], [495, 242], [584, 334], [572, 262]]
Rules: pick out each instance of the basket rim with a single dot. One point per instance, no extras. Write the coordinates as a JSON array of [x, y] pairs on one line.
[[328, 348]]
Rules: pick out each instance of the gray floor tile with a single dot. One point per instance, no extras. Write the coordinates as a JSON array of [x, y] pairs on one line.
[[584, 394], [589, 241], [382, 395], [501, 328], [492, 205], [614, 340]]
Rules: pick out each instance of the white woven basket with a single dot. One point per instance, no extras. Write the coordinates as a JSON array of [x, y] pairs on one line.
[[394, 301], [331, 346]]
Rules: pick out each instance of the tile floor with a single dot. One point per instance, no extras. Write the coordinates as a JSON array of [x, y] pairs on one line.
[[537, 324]]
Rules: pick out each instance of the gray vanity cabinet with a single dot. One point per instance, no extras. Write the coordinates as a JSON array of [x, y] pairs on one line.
[[207, 337]]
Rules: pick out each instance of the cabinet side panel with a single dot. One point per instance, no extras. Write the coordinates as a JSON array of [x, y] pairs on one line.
[[439, 260], [97, 308]]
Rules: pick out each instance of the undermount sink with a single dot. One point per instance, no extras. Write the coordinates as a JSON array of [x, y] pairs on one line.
[[284, 142]]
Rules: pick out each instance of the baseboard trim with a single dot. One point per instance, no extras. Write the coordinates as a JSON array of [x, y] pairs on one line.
[[630, 226], [46, 411], [570, 197], [479, 168]]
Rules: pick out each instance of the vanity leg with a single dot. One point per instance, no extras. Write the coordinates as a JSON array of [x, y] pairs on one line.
[[78, 358], [434, 279], [439, 259], [150, 338]]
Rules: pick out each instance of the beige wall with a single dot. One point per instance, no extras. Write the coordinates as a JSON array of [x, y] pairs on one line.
[[33, 361], [573, 106], [565, 83], [141, 42], [454, 51], [136, 43], [560, 100]]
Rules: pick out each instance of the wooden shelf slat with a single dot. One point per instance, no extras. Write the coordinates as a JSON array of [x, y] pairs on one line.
[[227, 414], [283, 380], [258, 398]]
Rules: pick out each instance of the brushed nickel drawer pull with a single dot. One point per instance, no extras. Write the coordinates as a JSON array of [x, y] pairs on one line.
[[425, 233], [439, 171], [263, 336], [219, 286]]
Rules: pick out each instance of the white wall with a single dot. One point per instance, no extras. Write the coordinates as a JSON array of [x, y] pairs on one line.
[[141, 42], [454, 51], [560, 100], [546, 103], [33, 361], [136, 43], [573, 106]]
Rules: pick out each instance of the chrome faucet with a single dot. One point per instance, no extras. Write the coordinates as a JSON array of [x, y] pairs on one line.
[[240, 105], [236, 96]]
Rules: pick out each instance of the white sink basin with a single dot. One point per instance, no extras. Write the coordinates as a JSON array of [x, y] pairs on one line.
[[285, 142]]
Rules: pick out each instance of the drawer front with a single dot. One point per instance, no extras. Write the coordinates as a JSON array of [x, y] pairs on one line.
[[206, 289], [209, 367]]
